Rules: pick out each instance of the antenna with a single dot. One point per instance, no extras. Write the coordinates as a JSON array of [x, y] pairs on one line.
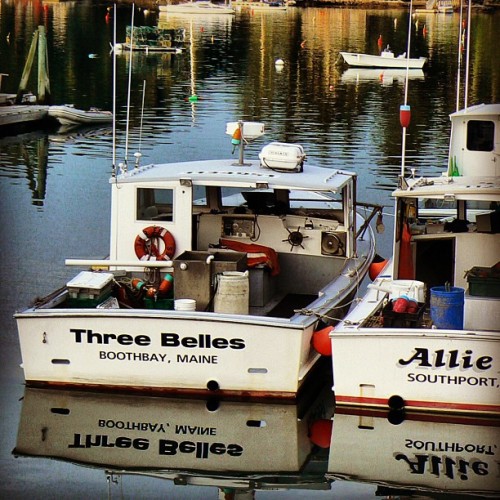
[[138, 154], [113, 170], [129, 84], [466, 89], [404, 110], [459, 46]]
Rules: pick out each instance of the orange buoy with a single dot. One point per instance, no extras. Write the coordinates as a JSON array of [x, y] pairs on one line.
[[320, 433], [376, 266], [236, 137], [321, 341], [166, 284]]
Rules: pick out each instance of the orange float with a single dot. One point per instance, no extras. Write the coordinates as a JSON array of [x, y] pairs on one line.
[[321, 341]]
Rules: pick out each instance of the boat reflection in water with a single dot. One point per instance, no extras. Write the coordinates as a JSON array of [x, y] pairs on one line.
[[226, 444], [245, 446], [425, 453], [386, 76]]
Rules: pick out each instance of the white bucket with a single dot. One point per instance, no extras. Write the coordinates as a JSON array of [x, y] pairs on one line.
[[411, 288], [233, 293], [185, 305]]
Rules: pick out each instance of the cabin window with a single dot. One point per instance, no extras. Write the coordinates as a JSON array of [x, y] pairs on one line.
[[155, 204], [480, 135]]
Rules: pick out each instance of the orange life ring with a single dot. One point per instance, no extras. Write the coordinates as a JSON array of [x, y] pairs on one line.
[[146, 244]]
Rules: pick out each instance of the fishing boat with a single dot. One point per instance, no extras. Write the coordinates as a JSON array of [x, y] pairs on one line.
[[153, 39], [426, 334], [197, 7], [445, 6], [386, 59], [244, 445], [67, 114], [421, 455], [219, 275]]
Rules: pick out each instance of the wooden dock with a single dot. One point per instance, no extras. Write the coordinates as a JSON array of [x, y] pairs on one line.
[[22, 114]]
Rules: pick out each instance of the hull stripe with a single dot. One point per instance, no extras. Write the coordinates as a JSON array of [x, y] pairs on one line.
[[413, 404]]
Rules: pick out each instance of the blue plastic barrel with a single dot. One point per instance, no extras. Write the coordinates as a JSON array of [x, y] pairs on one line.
[[447, 307]]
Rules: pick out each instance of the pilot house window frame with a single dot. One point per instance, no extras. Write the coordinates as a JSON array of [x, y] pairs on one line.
[[155, 204], [480, 135]]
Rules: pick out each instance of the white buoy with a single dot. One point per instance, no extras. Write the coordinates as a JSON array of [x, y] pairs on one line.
[[279, 62]]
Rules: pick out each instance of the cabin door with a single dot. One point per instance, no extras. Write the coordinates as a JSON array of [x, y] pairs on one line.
[[435, 262]]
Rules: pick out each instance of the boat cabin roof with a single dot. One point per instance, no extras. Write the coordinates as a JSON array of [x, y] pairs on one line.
[[447, 187], [228, 173], [479, 110], [473, 172]]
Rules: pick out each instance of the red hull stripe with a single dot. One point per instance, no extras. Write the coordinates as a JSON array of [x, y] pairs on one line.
[[429, 405]]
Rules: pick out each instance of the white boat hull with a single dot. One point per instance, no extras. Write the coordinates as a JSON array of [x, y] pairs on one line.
[[372, 61], [454, 371], [166, 351], [196, 8]]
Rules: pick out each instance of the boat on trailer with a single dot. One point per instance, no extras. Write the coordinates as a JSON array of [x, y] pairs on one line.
[[220, 275], [426, 334]]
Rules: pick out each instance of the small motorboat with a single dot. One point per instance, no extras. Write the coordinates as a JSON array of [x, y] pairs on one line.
[[386, 59], [67, 114], [201, 7]]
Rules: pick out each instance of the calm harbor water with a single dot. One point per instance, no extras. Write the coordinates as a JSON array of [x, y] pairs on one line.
[[55, 199]]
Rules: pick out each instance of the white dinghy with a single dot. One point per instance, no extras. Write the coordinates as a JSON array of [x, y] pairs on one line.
[[67, 114]]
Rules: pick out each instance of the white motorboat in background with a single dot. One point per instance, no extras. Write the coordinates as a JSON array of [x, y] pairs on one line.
[[197, 7], [386, 59]]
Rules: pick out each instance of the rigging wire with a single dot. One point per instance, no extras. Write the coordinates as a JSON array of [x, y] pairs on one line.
[[113, 171], [403, 145], [129, 84]]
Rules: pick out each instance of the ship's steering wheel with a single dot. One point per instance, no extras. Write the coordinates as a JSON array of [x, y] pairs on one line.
[[295, 238]]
